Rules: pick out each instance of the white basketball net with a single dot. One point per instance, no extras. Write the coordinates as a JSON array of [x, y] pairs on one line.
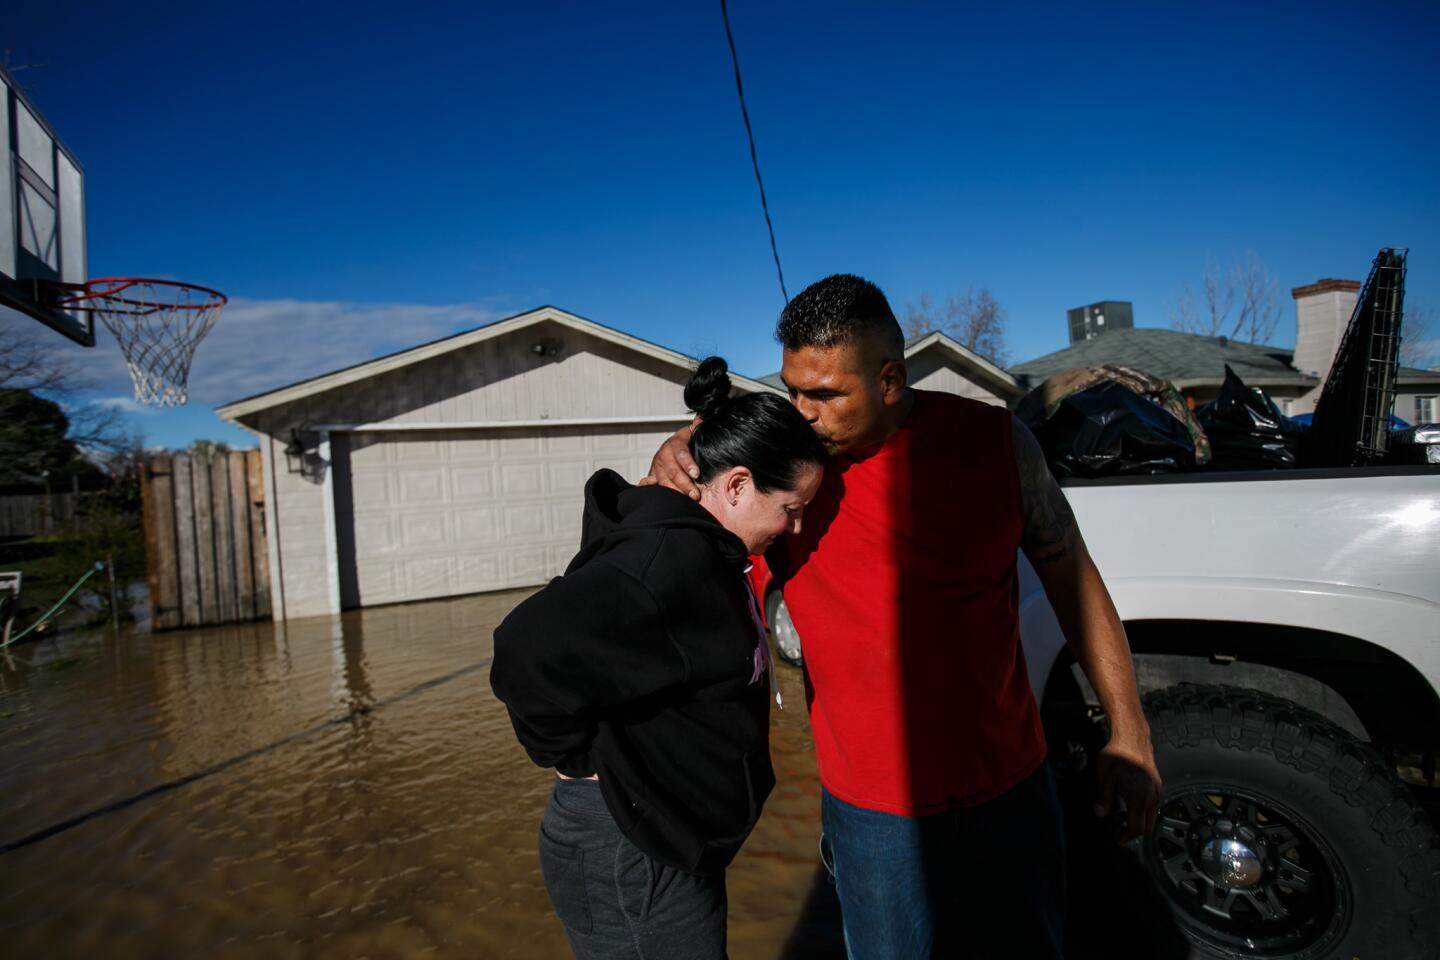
[[158, 324]]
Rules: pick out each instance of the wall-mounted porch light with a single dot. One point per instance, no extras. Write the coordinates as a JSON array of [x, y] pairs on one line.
[[295, 453], [547, 347]]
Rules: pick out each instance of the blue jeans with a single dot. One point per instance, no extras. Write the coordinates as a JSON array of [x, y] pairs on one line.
[[986, 881]]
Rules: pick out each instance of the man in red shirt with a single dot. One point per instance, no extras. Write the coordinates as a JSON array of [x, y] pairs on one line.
[[937, 804]]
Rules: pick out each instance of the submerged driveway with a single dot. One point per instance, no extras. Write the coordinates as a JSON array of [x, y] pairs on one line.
[[332, 787]]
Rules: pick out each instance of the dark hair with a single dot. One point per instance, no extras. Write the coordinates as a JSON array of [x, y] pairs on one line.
[[840, 309], [759, 431]]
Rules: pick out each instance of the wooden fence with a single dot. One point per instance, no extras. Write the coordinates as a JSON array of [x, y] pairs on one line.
[[205, 547], [30, 515]]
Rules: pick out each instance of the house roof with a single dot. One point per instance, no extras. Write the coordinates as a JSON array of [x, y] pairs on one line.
[[1185, 359], [459, 341], [1416, 377], [975, 366]]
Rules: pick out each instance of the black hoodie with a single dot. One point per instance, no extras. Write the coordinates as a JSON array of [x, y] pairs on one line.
[[641, 664]]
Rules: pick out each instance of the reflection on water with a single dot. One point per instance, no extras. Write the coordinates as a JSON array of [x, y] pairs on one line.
[[344, 787]]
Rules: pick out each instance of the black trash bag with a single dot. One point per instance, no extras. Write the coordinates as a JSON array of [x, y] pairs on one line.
[[1109, 430], [1246, 429]]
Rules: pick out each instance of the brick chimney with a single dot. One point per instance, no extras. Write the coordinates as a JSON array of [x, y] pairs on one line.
[[1322, 311]]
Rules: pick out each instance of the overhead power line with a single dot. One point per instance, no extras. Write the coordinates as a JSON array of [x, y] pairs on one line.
[[754, 161]]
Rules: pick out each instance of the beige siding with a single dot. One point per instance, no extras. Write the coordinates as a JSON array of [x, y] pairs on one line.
[[499, 380], [302, 545], [929, 372], [1406, 407]]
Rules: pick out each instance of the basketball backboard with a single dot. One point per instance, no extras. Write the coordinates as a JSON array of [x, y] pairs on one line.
[[42, 216]]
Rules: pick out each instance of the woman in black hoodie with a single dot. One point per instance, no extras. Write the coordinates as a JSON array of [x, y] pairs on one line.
[[642, 676]]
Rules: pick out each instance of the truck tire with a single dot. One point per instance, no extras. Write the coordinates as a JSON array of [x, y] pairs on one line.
[[1281, 835], [783, 635]]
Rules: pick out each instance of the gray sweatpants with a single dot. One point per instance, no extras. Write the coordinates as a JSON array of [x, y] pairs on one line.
[[617, 903]]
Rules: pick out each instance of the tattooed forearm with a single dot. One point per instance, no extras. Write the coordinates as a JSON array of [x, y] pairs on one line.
[[1050, 532]]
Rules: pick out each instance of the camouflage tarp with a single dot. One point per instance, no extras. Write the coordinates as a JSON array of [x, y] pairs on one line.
[[1040, 404]]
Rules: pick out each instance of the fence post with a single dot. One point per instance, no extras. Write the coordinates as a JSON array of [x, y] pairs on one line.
[[222, 518], [162, 562], [205, 538], [186, 548], [259, 543], [240, 526]]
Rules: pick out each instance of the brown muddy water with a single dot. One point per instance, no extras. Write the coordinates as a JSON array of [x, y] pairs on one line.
[[327, 788]]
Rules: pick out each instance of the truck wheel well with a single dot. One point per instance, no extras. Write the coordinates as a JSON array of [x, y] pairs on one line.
[[1354, 683]]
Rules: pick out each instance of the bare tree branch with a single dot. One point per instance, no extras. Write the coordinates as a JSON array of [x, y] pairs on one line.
[[1239, 301], [27, 363], [976, 320], [1419, 338], [98, 431]]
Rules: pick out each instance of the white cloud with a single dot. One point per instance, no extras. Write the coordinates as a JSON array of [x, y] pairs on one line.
[[259, 345], [126, 405]]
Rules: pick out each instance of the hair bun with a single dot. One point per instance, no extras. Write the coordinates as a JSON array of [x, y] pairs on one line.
[[709, 387]]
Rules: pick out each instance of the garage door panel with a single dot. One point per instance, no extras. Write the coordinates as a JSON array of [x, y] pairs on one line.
[[428, 577], [565, 445], [373, 491], [525, 520], [422, 531], [567, 475], [610, 442], [527, 564], [376, 580], [565, 520], [471, 450], [477, 527], [376, 535], [559, 557], [481, 571], [421, 487], [521, 480], [425, 451], [472, 482], [455, 512], [520, 445], [625, 466]]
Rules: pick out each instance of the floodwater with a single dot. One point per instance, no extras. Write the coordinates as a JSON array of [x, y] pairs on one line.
[[342, 787]]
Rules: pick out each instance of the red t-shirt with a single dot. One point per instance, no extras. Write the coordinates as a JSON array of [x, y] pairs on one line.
[[903, 586]]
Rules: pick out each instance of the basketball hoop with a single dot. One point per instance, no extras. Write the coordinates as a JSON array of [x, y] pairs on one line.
[[158, 323]]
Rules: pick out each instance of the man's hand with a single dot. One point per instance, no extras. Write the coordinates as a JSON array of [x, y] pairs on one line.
[[1128, 788], [673, 466]]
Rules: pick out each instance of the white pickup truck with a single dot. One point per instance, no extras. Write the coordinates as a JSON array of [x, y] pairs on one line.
[[1286, 632]]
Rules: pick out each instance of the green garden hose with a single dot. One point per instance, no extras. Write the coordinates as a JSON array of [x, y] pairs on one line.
[[58, 604]]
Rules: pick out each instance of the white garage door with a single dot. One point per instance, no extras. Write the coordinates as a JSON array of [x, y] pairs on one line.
[[436, 514]]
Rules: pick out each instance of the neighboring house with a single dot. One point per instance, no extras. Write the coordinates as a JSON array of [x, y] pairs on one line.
[[455, 467], [1322, 312], [1194, 364], [936, 361], [1292, 378]]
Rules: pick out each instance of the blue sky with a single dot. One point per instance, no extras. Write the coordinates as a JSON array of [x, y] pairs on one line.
[[360, 178]]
